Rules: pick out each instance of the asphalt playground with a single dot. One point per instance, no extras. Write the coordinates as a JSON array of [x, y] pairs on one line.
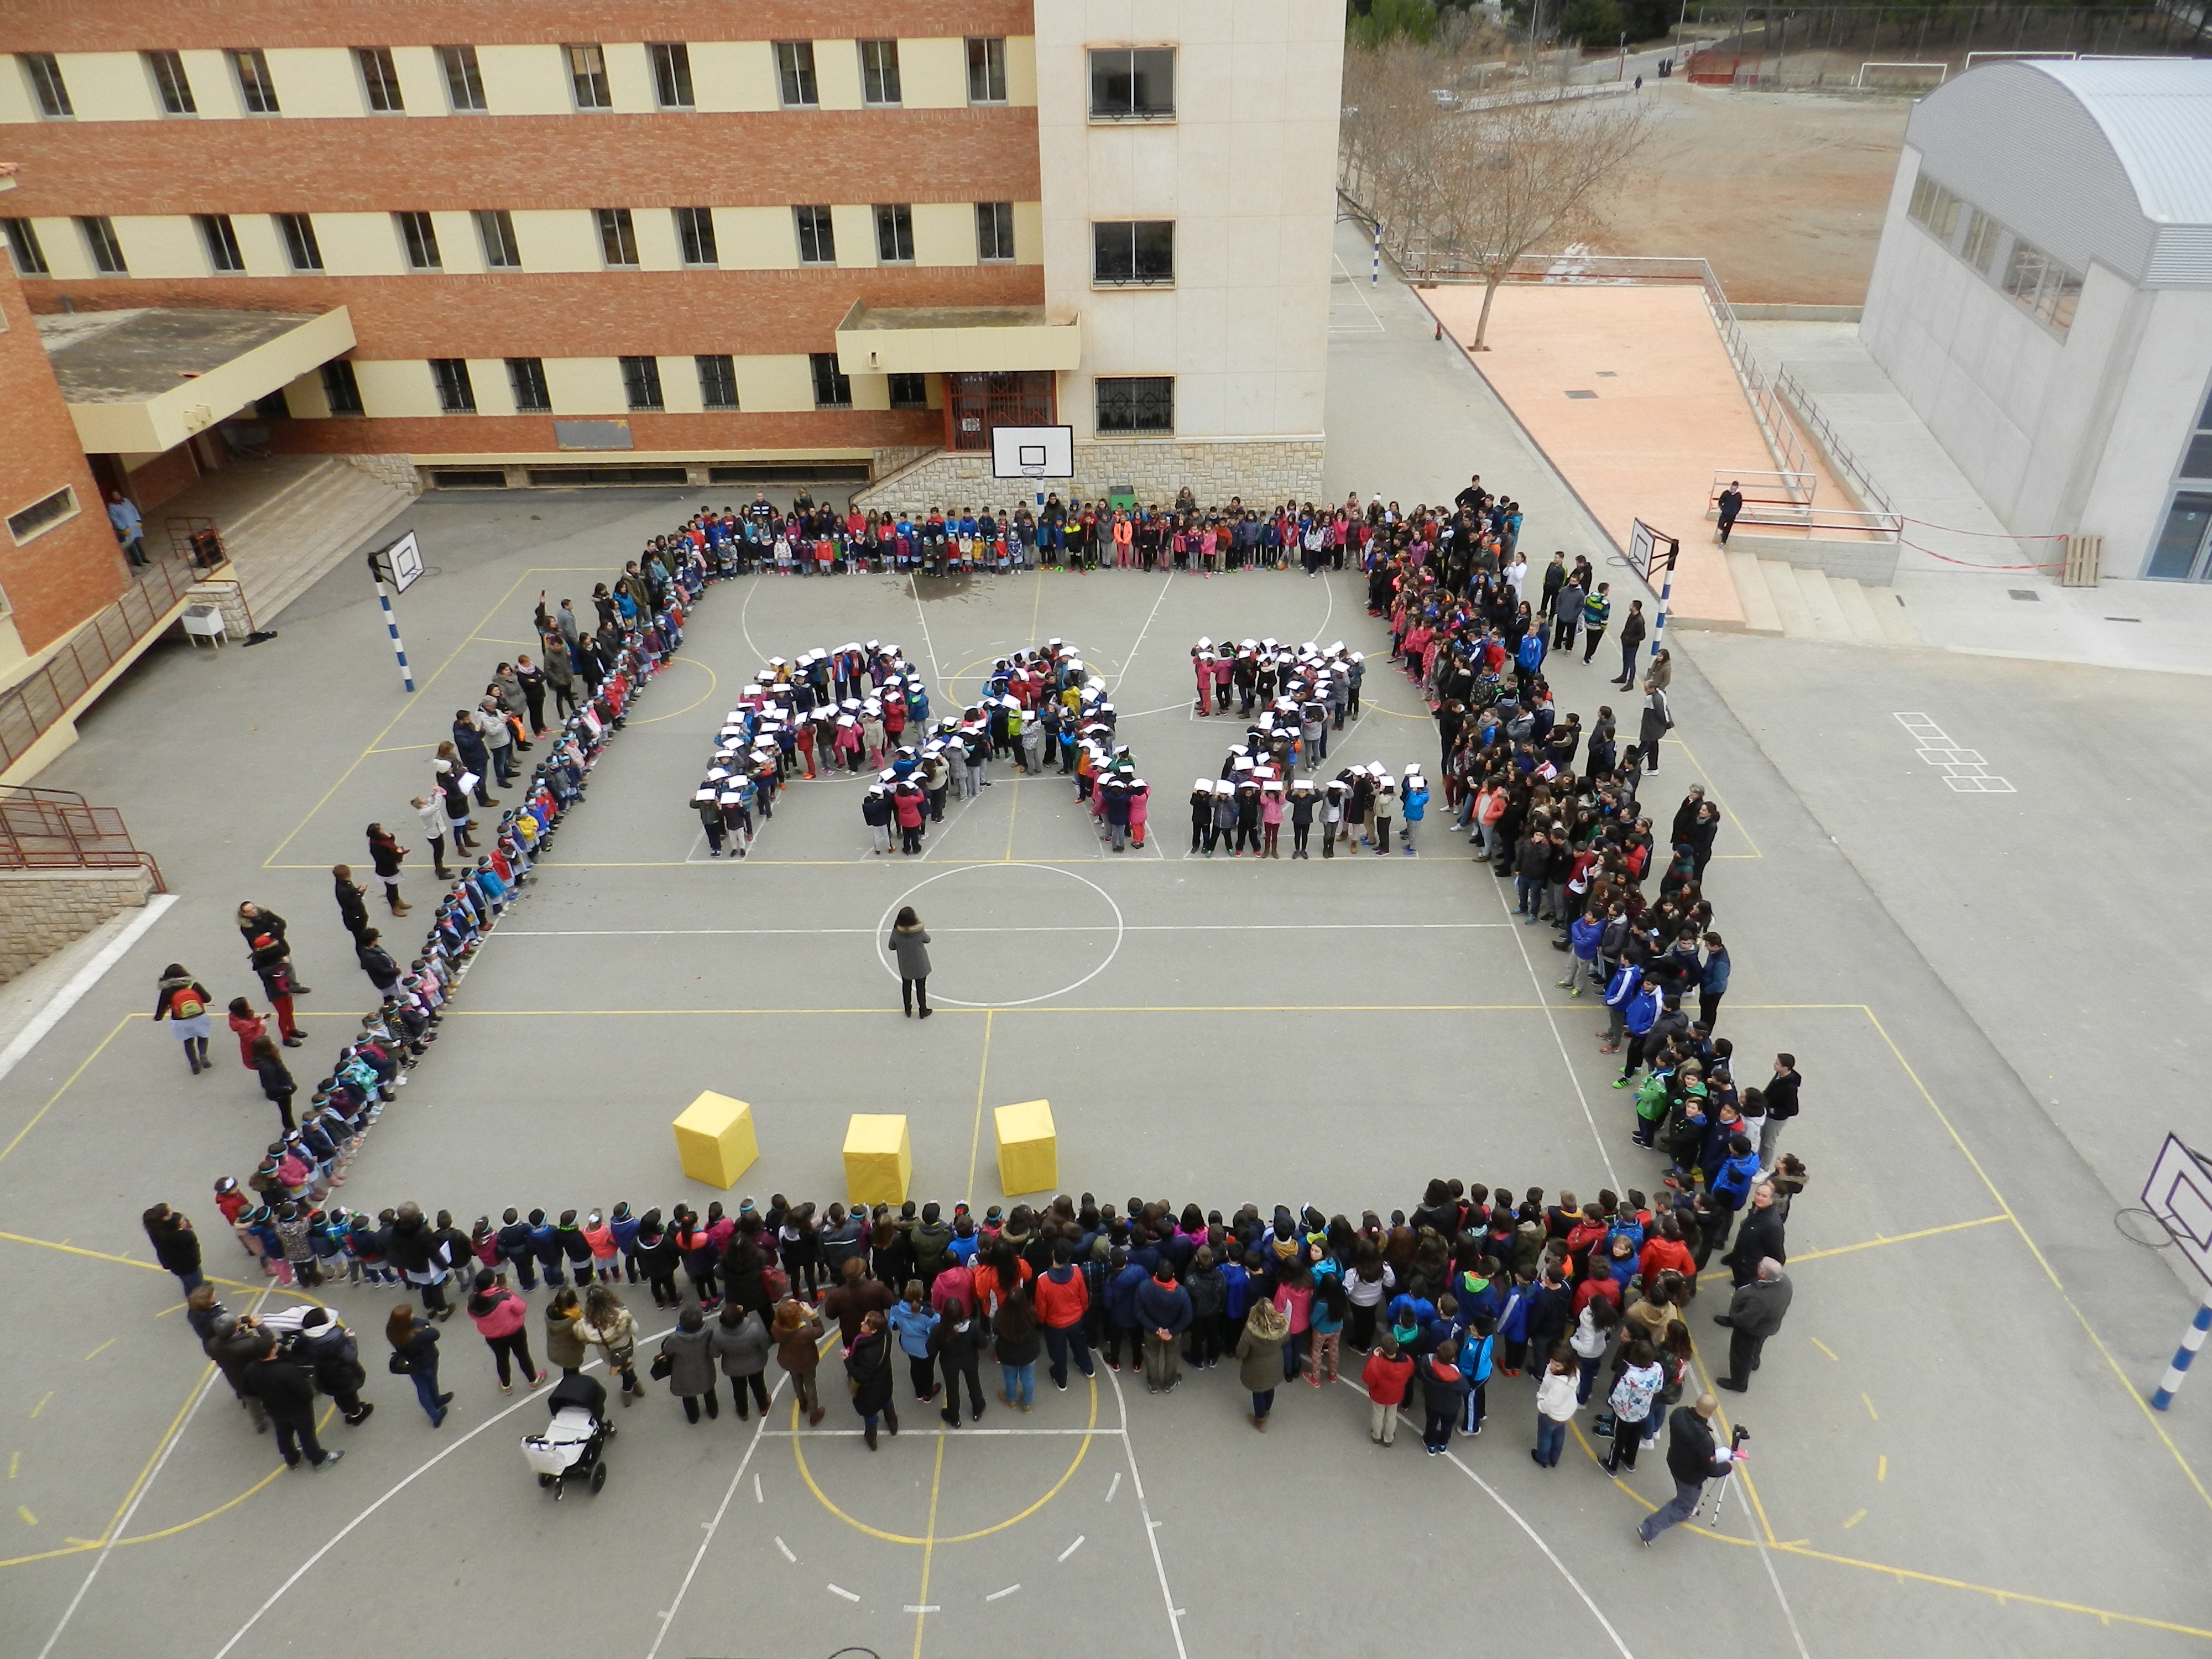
[[1949, 1451]]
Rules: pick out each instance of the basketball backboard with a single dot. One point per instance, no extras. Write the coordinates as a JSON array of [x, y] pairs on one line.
[[2179, 1194], [1033, 452]]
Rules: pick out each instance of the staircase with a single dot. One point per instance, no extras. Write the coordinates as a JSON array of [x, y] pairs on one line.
[[288, 520], [1801, 603]]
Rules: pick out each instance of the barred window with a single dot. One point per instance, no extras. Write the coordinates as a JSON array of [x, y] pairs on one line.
[[1143, 405]]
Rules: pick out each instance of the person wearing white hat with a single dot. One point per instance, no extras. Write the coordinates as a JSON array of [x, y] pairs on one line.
[[1224, 817], [1386, 801], [1271, 818], [1332, 817], [1201, 815]]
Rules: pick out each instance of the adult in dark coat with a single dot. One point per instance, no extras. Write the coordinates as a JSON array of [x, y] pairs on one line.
[[235, 1345], [868, 1369], [1757, 1240], [176, 1246], [255, 922], [1755, 1313], [956, 1341], [287, 1392], [349, 894], [329, 1351], [385, 852]]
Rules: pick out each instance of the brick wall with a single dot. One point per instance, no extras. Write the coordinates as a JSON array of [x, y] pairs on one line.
[[428, 437], [337, 166], [168, 474], [1260, 471], [657, 313], [43, 911], [188, 25], [62, 577]]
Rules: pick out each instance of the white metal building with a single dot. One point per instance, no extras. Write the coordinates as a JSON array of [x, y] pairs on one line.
[[2043, 297]]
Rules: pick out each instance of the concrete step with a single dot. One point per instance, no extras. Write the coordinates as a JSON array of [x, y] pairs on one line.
[[1825, 615], [286, 544], [1759, 616], [1788, 599], [1894, 619], [1858, 615]]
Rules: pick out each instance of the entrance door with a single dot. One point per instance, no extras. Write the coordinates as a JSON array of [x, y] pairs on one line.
[[2179, 554]]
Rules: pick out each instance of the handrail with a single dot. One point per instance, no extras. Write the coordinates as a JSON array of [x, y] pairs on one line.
[[42, 699], [54, 829], [1832, 444]]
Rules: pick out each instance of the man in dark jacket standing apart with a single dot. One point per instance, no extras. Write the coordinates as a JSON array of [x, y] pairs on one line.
[[1731, 504], [1633, 632], [1757, 1240], [1692, 1459], [1754, 1313], [1781, 1097], [1164, 1315]]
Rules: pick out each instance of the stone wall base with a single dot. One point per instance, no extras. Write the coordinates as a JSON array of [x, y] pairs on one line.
[[42, 911], [1260, 471]]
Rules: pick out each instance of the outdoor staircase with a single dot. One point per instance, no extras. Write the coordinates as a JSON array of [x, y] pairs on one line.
[[288, 520], [1801, 603]]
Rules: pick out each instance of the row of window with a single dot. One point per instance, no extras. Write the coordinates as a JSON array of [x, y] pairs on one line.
[[617, 232], [1126, 405], [2040, 284], [1127, 83]]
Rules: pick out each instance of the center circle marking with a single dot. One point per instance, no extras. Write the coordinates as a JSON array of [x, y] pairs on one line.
[[1121, 933]]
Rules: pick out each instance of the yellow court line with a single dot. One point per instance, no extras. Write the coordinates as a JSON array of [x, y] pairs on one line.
[[928, 1549], [114, 1031], [2121, 1376], [975, 1139], [1879, 1240], [1827, 1350], [2103, 1614], [406, 707], [1712, 794], [712, 681], [176, 1427], [120, 1260], [1194, 1008]]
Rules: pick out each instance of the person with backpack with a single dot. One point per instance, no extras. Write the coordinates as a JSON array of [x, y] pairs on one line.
[[1632, 1401], [182, 1001]]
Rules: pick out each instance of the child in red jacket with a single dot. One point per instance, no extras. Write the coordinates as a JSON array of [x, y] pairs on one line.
[[1386, 1376]]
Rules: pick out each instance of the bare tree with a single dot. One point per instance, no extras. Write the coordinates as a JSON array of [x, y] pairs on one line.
[[1527, 171]]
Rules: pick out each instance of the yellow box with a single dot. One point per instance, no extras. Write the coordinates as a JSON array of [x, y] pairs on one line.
[[879, 1159], [714, 1140], [1029, 1148]]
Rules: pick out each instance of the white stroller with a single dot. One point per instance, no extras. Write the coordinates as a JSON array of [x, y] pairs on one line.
[[572, 1446]]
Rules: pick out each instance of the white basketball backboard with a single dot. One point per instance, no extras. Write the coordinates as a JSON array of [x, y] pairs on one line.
[[2179, 1194], [1033, 452]]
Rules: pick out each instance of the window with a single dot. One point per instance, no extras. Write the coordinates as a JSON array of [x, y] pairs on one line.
[[495, 230], [618, 237], [2173, 555], [381, 80], [987, 71], [879, 74], [456, 396], [695, 234], [587, 74], [167, 69], [301, 246], [420, 237], [910, 391], [1132, 254], [341, 391], [1132, 83], [23, 247], [46, 75], [525, 377], [464, 80], [274, 407], [642, 381], [106, 252], [1935, 207], [817, 240], [994, 230], [254, 85], [794, 73], [42, 515], [222, 242], [671, 74], [2043, 286], [894, 234], [833, 387], [1136, 405], [718, 382], [1981, 241]]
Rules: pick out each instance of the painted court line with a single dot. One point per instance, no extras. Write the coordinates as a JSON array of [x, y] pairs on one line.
[[83, 981], [1084, 927], [1000, 1595]]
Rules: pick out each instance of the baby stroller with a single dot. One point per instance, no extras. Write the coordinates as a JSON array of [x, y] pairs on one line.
[[571, 1446]]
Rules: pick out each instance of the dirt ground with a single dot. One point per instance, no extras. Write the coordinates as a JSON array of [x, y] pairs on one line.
[[1784, 192]]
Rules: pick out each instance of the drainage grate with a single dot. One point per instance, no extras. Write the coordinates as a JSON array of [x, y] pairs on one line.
[[1582, 394], [2028, 593], [1608, 375], [2132, 619]]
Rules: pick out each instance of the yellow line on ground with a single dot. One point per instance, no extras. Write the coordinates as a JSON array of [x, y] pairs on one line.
[[41, 1405], [928, 1549], [176, 1424], [113, 1032], [1879, 1240], [975, 1139], [712, 681], [1868, 1399], [1901, 1574], [1712, 794], [120, 1260], [2133, 1393], [1881, 1468], [101, 1350], [1827, 1350]]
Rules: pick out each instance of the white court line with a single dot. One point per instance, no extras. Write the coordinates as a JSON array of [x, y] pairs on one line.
[[1537, 1539], [82, 980], [1071, 1548], [785, 1548], [1000, 1595], [1152, 1527], [912, 586], [1552, 1019], [700, 1555], [1116, 1487], [834, 1590], [1124, 673], [1354, 328], [1758, 1540], [1095, 927]]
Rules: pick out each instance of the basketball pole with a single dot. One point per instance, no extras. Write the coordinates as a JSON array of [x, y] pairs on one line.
[[2191, 1340]]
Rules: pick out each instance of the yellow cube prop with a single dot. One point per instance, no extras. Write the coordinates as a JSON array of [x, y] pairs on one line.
[[714, 1140], [1029, 1148], [879, 1159]]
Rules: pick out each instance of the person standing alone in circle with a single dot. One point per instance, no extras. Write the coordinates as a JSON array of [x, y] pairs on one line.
[[909, 943]]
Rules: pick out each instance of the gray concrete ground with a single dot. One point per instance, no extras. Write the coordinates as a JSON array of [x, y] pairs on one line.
[[1949, 1455]]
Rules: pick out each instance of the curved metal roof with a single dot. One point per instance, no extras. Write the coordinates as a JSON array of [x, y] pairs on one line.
[[2157, 116]]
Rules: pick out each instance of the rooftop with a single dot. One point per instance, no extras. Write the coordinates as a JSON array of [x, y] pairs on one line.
[[132, 356]]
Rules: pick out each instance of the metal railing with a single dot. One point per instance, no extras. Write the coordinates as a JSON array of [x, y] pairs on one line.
[[1854, 474], [56, 829], [42, 699]]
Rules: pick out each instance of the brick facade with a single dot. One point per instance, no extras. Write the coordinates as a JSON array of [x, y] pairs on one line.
[[1259, 470], [428, 437], [43, 911], [64, 575]]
